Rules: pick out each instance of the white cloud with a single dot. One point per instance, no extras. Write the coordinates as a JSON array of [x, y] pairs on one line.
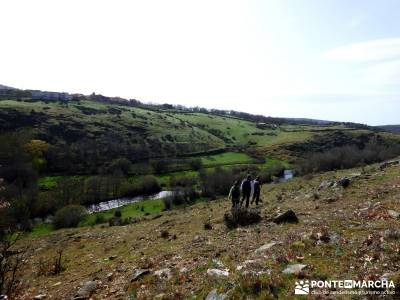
[[385, 73], [368, 51], [356, 21]]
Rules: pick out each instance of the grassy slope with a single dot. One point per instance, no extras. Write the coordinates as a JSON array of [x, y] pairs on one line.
[[356, 220], [193, 128]]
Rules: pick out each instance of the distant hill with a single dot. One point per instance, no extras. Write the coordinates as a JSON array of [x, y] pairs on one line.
[[87, 132], [391, 128], [13, 93], [4, 87]]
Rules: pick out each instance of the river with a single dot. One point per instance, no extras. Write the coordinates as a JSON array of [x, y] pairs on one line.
[[110, 204]]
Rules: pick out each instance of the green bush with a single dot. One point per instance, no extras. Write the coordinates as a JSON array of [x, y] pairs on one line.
[[69, 216], [148, 185]]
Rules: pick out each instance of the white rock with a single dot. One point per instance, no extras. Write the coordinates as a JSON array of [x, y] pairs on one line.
[[218, 273], [218, 263], [394, 214], [163, 273], [213, 295], [265, 247], [87, 289], [294, 269]]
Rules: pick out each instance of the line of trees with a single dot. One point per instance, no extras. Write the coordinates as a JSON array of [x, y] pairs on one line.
[[348, 156]]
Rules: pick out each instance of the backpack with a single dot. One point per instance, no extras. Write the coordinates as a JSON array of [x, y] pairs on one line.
[[256, 186], [235, 192], [246, 186]]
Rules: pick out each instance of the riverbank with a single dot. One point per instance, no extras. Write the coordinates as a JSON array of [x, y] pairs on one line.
[[150, 207]]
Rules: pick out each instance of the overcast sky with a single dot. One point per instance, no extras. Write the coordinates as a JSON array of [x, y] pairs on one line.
[[335, 60]]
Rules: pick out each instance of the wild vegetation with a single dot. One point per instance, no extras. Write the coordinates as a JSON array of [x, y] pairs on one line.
[[59, 157], [347, 232]]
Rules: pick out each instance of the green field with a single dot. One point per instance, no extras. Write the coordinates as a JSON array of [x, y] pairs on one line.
[[228, 158]]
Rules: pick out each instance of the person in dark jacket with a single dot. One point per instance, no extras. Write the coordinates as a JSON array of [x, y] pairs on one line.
[[246, 190], [234, 193], [256, 185]]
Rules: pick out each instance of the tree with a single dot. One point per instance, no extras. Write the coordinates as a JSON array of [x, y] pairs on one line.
[[120, 166], [69, 216], [37, 150], [10, 261]]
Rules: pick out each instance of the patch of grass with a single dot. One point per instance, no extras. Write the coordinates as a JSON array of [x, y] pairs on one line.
[[49, 182], [164, 179], [228, 158], [133, 210], [40, 230]]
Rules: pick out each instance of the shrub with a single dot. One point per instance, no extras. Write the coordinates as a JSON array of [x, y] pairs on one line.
[[164, 234], [180, 196], [114, 221], [277, 170], [241, 216], [120, 166], [182, 181], [148, 185], [117, 213], [207, 225], [196, 163], [167, 203], [99, 219], [217, 182], [69, 216]]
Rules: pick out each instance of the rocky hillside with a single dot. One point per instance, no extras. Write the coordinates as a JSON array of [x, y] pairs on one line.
[[348, 228]]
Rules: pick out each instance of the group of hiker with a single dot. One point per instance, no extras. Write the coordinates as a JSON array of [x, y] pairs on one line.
[[243, 191]]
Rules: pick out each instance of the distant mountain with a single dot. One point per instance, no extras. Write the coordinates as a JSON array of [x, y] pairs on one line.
[[4, 87], [391, 128]]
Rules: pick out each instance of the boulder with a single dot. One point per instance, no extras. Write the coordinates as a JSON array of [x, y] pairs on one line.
[[164, 273], [253, 267], [86, 290], [325, 184], [213, 295], [394, 214], [343, 182], [286, 217], [139, 273], [218, 273], [265, 247], [294, 269]]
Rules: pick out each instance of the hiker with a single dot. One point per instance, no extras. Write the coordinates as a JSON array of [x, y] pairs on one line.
[[246, 190], [256, 187], [234, 194]]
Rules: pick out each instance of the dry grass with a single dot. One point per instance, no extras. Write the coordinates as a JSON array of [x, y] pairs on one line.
[[355, 219]]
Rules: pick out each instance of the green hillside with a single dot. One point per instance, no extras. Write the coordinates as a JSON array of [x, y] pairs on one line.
[[88, 149], [89, 134]]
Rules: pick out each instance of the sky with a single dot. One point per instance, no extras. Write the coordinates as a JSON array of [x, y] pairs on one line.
[[330, 59]]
